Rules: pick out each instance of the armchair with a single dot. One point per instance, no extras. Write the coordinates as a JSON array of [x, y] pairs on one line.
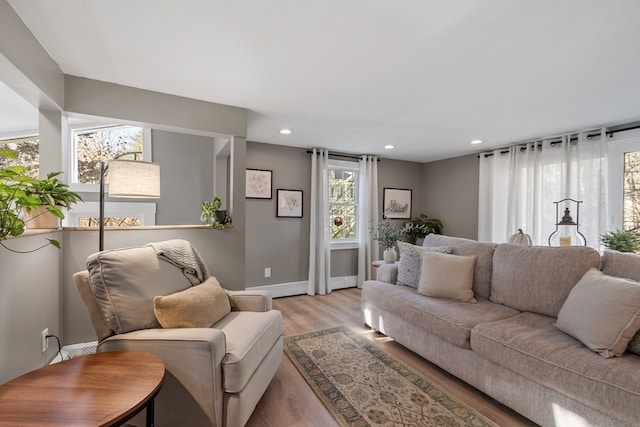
[[215, 375]]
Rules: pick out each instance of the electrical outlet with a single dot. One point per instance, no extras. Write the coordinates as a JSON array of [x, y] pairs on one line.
[[43, 339], [267, 272]]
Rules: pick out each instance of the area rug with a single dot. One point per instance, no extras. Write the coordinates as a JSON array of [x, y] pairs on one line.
[[362, 385]]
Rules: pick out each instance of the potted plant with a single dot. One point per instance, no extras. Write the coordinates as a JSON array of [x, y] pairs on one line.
[[622, 241], [387, 233], [15, 199], [213, 215], [53, 195], [419, 226]]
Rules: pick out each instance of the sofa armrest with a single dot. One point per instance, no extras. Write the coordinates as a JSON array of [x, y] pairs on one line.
[[249, 300], [387, 273], [192, 393]]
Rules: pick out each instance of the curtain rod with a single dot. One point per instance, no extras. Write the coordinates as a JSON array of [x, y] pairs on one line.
[[609, 133], [343, 155]]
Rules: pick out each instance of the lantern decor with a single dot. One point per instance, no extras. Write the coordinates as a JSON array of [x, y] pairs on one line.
[[567, 231]]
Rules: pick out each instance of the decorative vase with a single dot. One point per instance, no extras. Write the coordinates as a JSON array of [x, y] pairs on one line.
[[389, 255], [40, 217]]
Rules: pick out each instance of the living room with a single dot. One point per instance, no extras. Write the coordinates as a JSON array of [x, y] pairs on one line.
[[444, 187]]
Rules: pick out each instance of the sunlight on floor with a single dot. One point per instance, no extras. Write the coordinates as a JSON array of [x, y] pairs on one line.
[[564, 417]]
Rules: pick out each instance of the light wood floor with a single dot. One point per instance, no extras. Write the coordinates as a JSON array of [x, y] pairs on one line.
[[290, 402]]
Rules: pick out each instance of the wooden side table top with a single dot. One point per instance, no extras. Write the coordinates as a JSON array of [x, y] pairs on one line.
[[101, 389]]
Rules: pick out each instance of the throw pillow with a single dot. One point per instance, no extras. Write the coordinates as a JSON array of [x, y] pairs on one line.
[[602, 312], [409, 263], [634, 344], [197, 307], [447, 276]]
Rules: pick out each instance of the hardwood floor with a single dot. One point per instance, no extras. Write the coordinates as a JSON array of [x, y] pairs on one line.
[[290, 402]]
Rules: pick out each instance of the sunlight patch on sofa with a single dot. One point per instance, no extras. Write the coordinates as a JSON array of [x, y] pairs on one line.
[[564, 417]]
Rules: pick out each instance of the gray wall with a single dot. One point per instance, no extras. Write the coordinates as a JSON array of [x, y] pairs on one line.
[[186, 179], [282, 244], [30, 301], [450, 193]]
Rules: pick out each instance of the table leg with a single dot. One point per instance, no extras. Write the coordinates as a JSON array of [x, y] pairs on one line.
[[150, 413]]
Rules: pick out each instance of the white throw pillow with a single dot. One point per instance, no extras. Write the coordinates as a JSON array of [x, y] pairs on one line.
[[447, 276], [602, 312]]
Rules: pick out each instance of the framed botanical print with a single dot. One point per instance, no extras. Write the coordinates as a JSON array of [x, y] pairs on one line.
[[289, 203], [258, 184]]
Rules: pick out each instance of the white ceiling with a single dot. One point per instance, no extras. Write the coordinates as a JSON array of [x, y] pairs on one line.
[[427, 76]]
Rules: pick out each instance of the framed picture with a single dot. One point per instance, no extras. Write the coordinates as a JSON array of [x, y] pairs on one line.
[[396, 203], [289, 204], [258, 184]]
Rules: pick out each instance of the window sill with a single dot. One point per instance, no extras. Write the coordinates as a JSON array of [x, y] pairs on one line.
[[337, 246]]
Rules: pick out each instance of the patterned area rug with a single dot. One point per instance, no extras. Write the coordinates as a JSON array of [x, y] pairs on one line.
[[362, 385]]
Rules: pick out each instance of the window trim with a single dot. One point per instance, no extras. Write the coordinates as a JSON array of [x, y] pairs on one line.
[[71, 162]]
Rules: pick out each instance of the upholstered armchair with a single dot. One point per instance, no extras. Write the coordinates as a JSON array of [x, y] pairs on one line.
[[221, 348]]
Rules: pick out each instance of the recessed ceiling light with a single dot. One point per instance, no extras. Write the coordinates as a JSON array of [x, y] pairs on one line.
[[285, 131], [389, 147], [475, 142]]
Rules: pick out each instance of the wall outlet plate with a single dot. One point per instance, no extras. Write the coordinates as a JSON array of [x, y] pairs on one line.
[[43, 339], [267, 272]]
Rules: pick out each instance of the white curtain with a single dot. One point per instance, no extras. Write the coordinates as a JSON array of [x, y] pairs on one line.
[[367, 213], [518, 186], [320, 235]]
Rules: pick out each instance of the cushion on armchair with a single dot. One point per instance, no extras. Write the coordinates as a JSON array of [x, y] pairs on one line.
[[199, 306], [125, 281]]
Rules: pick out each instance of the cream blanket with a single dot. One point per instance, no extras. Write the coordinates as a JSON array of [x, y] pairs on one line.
[[183, 255]]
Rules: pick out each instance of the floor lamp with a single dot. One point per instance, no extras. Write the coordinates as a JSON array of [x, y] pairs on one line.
[[128, 178]]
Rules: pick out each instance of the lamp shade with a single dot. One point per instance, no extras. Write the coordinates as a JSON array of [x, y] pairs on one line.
[[131, 178]]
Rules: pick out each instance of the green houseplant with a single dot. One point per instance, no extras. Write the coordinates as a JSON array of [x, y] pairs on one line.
[[623, 241], [212, 215], [53, 195], [419, 226], [387, 233], [15, 198]]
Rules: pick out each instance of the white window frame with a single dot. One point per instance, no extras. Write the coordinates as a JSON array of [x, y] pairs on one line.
[[143, 210], [352, 243], [72, 158], [619, 144]]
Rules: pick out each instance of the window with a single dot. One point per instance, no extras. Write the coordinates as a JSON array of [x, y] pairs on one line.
[[343, 201], [92, 145], [117, 214], [624, 181], [27, 150]]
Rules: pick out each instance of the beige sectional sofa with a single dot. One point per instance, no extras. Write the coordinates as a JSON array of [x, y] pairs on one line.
[[507, 343]]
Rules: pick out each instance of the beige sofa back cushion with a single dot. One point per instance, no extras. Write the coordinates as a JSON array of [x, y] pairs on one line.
[[538, 278], [482, 251], [125, 281], [620, 264]]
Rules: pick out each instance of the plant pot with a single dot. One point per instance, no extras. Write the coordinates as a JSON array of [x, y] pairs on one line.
[[390, 255], [221, 215], [40, 217]]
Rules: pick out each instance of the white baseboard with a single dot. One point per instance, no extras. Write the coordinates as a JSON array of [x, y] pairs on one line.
[[300, 288]]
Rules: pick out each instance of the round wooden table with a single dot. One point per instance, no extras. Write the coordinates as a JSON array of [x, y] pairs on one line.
[[102, 389]]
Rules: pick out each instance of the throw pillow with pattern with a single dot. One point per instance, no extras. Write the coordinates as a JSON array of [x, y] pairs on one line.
[[410, 262]]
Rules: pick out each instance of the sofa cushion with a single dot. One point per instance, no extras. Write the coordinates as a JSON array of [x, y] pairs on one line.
[[249, 337], [538, 278], [484, 261], [603, 312], [447, 276], [530, 345], [409, 265], [199, 306], [450, 320], [125, 281]]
